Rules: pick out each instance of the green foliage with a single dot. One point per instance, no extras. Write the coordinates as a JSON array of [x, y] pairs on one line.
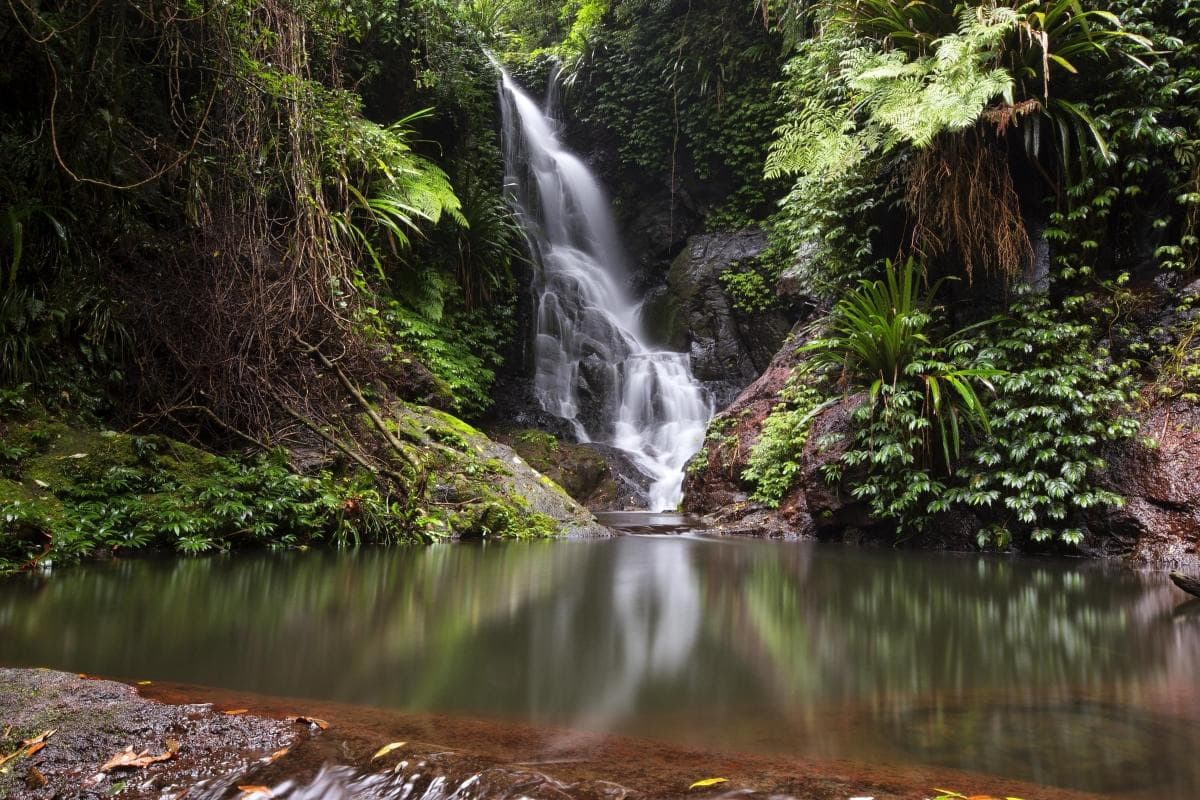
[[685, 95], [1054, 400], [774, 461], [134, 493], [462, 350], [1059, 399], [404, 188], [751, 286], [937, 82], [878, 337]]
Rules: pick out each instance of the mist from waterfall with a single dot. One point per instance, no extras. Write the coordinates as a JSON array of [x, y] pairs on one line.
[[594, 364]]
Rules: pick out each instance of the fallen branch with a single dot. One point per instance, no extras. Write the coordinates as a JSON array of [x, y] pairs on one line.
[[372, 414], [353, 455]]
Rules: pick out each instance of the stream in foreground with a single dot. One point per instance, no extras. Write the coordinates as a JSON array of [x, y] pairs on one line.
[[1067, 674]]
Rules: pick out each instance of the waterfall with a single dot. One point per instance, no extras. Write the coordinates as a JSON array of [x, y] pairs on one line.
[[594, 364]]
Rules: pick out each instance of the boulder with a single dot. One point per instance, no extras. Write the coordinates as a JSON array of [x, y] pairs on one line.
[[599, 477], [1159, 525], [714, 487], [729, 348]]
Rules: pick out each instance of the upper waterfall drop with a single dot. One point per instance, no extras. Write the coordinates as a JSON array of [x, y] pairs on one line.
[[594, 364]]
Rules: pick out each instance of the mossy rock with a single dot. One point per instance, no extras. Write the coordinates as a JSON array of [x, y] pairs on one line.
[[482, 487]]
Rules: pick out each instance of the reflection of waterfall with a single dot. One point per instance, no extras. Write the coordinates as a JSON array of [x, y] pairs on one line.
[[653, 634], [595, 367]]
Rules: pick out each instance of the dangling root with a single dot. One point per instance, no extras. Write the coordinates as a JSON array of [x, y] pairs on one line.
[[963, 203]]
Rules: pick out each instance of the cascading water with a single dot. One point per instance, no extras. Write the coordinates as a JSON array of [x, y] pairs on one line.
[[594, 364]]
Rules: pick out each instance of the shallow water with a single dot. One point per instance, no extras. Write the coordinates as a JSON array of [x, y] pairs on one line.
[[1064, 673]]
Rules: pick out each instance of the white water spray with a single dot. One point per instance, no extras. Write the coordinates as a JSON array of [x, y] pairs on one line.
[[594, 366]]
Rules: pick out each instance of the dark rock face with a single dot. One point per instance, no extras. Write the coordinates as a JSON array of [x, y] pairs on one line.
[[599, 477], [713, 486], [830, 507], [1160, 522], [729, 349]]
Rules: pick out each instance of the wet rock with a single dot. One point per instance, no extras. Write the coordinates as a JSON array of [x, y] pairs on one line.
[[728, 348], [94, 719], [600, 477], [517, 408], [1159, 524], [598, 380], [713, 486]]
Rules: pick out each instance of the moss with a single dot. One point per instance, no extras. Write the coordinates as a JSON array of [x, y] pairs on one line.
[[87, 491]]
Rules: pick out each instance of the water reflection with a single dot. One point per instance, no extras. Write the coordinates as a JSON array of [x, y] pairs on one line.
[[1071, 674]]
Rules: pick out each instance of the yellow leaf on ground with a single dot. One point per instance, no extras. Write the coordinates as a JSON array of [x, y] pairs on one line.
[[33, 748], [131, 760], [256, 791], [280, 753], [233, 712], [387, 748], [706, 782], [41, 737], [144, 683]]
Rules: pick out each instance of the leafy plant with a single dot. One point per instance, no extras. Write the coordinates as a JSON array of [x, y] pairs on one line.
[[774, 461], [1058, 400]]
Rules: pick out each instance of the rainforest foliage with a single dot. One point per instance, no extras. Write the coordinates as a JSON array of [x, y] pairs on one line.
[[248, 225]]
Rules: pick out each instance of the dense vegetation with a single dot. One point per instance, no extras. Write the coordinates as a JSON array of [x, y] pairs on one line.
[[252, 225], [247, 225], [1037, 159]]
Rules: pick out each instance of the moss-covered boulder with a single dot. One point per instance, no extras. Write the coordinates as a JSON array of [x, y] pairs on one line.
[[481, 487]]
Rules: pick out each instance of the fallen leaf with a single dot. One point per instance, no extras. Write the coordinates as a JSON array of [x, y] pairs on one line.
[[145, 683], [706, 782], [132, 760], [77, 455], [233, 712], [41, 484], [320, 723], [279, 753], [34, 779], [41, 737], [28, 747], [387, 748], [251, 791]]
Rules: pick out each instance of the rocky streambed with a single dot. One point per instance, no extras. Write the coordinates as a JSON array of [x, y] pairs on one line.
[[225, 745]]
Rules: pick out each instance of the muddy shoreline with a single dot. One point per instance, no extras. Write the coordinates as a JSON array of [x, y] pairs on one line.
[[261, 744]]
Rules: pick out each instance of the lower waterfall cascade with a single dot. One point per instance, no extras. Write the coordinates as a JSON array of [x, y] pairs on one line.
[[594, 363]]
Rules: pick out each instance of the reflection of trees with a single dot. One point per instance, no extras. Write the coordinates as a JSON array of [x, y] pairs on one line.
[[864, 624], [329, 624]]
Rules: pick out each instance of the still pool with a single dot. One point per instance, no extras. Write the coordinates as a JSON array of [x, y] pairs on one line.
[[1069, 674]]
